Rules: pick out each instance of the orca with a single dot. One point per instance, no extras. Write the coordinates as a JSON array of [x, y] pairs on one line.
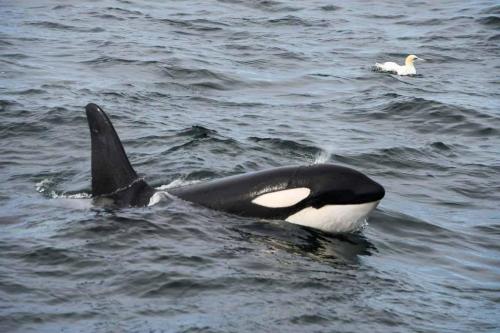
[[327, 197]]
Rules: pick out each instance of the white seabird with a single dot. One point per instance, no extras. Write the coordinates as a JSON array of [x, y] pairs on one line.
[[407, 69]]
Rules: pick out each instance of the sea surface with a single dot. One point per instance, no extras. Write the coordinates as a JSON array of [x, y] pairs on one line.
[[199, 90]]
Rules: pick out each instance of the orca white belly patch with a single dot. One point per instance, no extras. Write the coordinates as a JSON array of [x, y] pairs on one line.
[[334, 218], [284, 198]]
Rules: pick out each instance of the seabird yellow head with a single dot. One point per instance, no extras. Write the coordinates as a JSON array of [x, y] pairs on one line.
[[410, 59]]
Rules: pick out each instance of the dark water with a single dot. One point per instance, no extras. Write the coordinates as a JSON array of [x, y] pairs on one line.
[[200, 90]]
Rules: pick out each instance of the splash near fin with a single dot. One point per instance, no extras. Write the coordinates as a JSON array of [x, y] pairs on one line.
[[112, 174]]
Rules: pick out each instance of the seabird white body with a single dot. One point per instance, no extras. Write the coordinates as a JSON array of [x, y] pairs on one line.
[[407, 69]]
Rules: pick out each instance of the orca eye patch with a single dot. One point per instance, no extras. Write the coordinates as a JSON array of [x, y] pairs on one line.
[[283, 198]]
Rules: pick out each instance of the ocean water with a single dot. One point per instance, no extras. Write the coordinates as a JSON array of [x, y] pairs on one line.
[[204, 89]]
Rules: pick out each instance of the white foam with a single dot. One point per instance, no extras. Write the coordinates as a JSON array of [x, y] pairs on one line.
[[176, 183], [44, 185], [322, 157], [159, 197]]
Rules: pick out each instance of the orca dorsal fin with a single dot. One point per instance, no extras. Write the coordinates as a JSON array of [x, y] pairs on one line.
[[112, 174]]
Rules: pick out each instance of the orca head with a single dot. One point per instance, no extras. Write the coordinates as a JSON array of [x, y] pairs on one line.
[[340, 200], [328, 197], [337, 185]]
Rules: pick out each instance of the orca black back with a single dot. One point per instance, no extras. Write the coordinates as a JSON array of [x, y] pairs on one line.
[[236, 194]]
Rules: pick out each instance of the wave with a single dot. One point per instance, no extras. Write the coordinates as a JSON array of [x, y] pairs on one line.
[[107, 59], [429, 116], [223, 103], [202, 25], [396, 161], [6, 105], [5, 43], [491, 10], [422, 22], [124, 11], [291, 20], [289, 148], [184, 73], [17, 56], [197, 132], [31, 91], [106, 16], [267, 6], [47, 187], [201, 78], [493, 21], [62, 7], [64, 27], [21, 129], [330, 8], [399, 224], [201, 136]]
